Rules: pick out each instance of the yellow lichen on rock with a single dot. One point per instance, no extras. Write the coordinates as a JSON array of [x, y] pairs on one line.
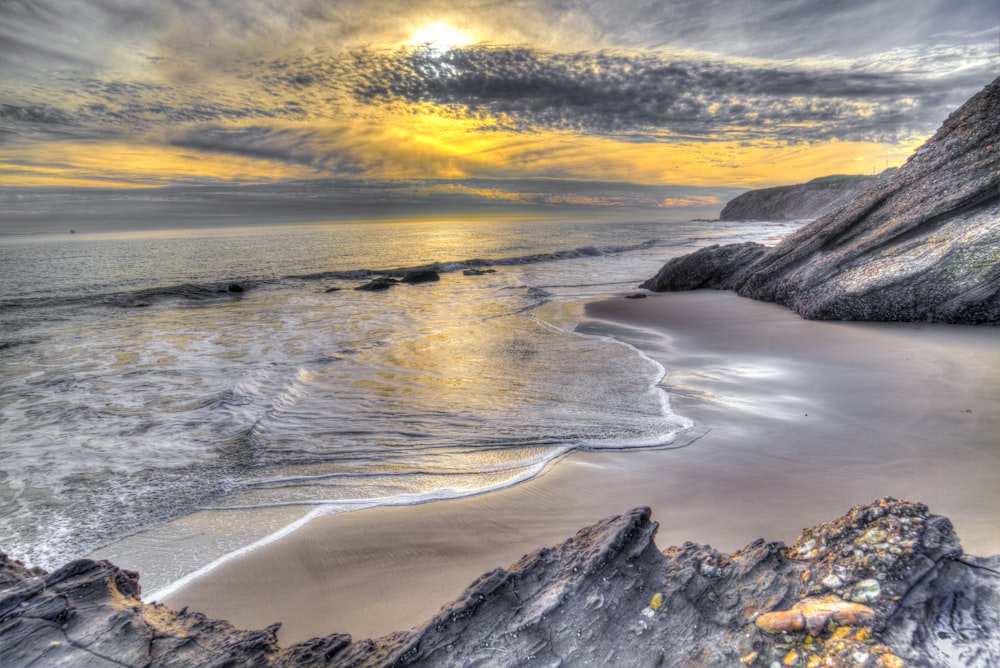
[[656, 601], [891, 661], [812, 615], [782, 621]]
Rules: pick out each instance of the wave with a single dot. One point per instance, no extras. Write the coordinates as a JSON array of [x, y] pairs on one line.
[[479, 263], [229, 289], [234, 288]]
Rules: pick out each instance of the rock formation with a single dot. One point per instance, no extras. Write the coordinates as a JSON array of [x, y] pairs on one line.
[[412, 276], [379, 283], [923, 244], [886, 584], [805, 200], [421, 276]]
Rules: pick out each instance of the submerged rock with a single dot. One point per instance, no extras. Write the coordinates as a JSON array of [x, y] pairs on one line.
[[607, 596], [380, 283], [421, 276], [923, 244]]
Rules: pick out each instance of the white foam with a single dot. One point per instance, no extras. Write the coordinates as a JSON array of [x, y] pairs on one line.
[[323, 508], [176, 585]]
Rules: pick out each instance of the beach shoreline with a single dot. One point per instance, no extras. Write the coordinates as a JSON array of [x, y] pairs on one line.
[[800, 421]]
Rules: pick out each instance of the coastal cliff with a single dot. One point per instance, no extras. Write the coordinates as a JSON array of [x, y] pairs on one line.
[[804, 200], [923, 244], [886, 585]]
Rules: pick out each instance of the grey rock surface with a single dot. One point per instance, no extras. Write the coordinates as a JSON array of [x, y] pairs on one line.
[[886, 583], [716, 267], [801, 201], [923, 244]]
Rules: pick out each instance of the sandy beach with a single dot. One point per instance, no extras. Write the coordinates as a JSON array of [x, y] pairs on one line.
[[795, 422]]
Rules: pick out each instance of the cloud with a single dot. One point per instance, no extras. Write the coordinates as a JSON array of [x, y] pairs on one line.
[[788, 29], [196, 38], [685, 202], [42, 36], [661, 97], [326, 199], [330, 86], [569, 194], [316, 148]]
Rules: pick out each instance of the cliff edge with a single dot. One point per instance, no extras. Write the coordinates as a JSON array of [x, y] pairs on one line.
[[801, 201], [923, 244]]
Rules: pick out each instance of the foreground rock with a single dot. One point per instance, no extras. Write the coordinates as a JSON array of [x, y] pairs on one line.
[[923, 244], [886, 584], [805, 200]]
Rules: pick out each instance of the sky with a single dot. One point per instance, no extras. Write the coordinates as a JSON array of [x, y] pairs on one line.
[[584, 105]]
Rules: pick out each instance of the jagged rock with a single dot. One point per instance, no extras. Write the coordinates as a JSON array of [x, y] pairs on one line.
[[715, 267], [380, 283], [12, 570], [421, 276], [923, 244], [88, 613], [805, 200], [607, 596]]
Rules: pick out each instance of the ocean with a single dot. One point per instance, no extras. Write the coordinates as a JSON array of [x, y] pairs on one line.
[[171, 398]]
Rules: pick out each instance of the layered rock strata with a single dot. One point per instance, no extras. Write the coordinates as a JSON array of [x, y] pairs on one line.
[[885, 585], [923, 244]]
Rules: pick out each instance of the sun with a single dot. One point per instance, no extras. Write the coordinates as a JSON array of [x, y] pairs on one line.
[[441, 35]]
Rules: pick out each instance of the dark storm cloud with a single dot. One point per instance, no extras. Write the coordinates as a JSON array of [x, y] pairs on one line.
[[649, 95]]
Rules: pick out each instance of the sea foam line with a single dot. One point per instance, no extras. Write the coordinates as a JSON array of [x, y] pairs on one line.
[[348, 505], [683, 424]]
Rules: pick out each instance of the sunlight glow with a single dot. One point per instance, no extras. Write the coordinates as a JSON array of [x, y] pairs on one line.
[[441, 35]]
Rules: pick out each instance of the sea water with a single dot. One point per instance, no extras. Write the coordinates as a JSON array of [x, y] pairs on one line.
[[153, 412]]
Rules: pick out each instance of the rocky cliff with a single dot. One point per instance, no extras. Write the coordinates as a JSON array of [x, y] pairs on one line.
[[885, 585], [799, 202], [923, 244]]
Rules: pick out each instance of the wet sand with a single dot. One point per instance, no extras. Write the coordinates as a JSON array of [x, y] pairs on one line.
[[795, 422]]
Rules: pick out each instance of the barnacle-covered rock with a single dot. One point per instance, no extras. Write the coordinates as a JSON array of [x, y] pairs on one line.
[[865, 591]]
